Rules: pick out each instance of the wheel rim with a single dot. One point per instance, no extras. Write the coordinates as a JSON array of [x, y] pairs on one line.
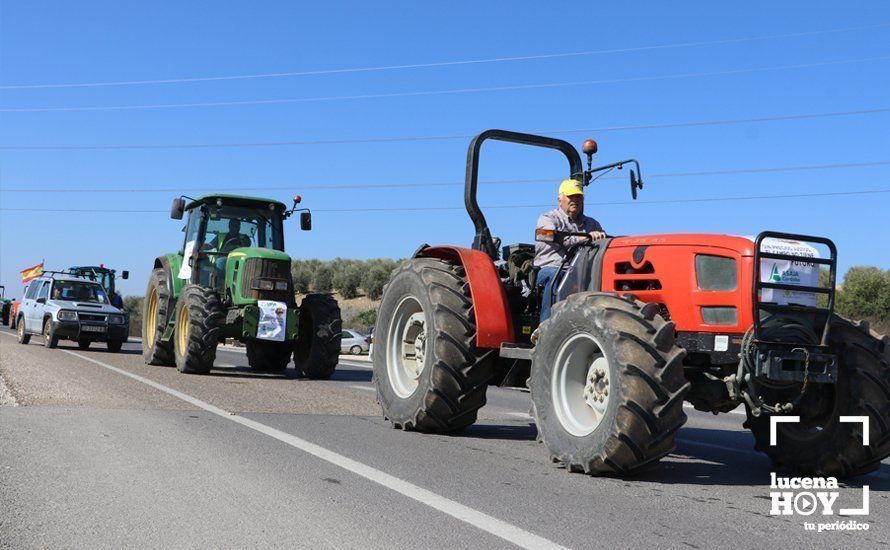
[[21, 327], [152, 318], [580, 384], [182, 329], [407, 347], [46, 329]]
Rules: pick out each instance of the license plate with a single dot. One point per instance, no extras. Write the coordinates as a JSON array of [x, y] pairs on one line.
[[92, 328]]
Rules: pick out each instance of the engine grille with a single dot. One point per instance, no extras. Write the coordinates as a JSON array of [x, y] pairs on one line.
[[90, 317], [267, 269]]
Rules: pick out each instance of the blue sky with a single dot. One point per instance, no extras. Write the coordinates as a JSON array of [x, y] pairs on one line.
[[65, 42]]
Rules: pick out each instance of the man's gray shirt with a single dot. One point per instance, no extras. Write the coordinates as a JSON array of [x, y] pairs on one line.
[[551, 254]]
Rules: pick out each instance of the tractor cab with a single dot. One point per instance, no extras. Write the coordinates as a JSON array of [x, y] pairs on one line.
[[104, 276], [223, 227]]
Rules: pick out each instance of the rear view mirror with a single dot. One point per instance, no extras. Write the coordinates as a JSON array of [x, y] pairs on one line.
[[635, 183], [125, 274], [306, 221], [41, 300], [177, 209]]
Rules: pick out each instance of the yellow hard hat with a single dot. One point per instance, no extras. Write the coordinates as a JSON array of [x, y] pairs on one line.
[[571, 187]]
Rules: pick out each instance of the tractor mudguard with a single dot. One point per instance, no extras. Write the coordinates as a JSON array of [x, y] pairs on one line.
[[494, 325], [171, 263]]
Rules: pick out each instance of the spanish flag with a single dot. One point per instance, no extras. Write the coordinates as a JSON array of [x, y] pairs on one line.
[[32, 272]]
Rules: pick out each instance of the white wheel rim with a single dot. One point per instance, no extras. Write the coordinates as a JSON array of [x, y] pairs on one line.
[[406, 347], [580, 384]]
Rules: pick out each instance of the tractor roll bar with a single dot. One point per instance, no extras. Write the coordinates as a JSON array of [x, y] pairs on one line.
[[483, 241]]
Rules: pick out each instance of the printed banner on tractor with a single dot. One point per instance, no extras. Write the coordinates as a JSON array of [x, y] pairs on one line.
[[273, 320], [798, 272]]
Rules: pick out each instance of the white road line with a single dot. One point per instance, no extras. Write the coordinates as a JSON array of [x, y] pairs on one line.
[[368, 366], [366, 388], [519, 414], [490, 524], [740, 411]]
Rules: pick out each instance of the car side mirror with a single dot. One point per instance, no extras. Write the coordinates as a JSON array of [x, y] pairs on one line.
[[177, 209], [41, 300], [125, 274], [306, 221]]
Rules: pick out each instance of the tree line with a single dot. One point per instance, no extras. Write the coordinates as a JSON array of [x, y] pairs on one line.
[[864, 292], [346, 277]]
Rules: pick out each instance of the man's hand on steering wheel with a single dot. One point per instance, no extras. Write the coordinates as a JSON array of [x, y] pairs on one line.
[[596, 235]]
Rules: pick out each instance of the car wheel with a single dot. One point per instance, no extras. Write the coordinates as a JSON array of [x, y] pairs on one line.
[[50, 339], [24, 337], [83, 344], [355, 350]]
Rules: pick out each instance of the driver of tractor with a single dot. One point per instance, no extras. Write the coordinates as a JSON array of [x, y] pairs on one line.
[[568, 216], [227, 242]]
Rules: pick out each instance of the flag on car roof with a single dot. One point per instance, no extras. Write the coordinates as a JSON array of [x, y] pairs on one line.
[[32, 272]]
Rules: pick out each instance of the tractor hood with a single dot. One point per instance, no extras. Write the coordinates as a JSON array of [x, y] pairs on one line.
[[264, 253], [744, 246]]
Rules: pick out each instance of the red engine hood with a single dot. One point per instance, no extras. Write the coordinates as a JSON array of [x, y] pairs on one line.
[[742, 245]]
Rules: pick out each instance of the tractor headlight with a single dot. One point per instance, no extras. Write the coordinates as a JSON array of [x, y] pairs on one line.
[[280, 285], [262, 284], [716, 272], [115, 319], [65, 315]]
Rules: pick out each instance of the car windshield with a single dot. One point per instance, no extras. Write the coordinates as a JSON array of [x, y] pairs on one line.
[[80, 291], [232, 227]]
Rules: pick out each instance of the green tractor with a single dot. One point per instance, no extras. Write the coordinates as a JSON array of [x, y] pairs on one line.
[[232, 279]]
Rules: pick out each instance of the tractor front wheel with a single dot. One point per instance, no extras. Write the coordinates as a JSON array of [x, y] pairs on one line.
[[156, 310], [820, 444], [429, 374], [263, 355], [199, 315], [320, 329], [607, 384]]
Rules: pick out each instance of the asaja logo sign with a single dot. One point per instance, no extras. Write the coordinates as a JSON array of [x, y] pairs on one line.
[[806, 496]]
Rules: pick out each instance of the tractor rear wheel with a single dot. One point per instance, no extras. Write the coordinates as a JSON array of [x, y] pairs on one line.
[[607, 384], [820, 444], [199, 315], [263, 355], [320, 329], [429, 374], [156, 310]]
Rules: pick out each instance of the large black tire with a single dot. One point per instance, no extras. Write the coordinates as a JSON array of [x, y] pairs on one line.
[[114, 346], [23, 336], [199, 316], [84, 344], [50, 339], [5, 313], [317, 350], [269, 356], [638, 381], [154, 351], [450, 389], [821, 445]]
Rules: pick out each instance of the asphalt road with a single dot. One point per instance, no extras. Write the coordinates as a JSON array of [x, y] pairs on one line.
[[99, 450]]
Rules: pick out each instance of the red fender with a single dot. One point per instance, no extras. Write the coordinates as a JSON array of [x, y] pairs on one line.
[[494, 325]]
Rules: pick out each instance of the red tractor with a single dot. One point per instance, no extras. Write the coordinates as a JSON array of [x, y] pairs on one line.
[[639, 325]]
